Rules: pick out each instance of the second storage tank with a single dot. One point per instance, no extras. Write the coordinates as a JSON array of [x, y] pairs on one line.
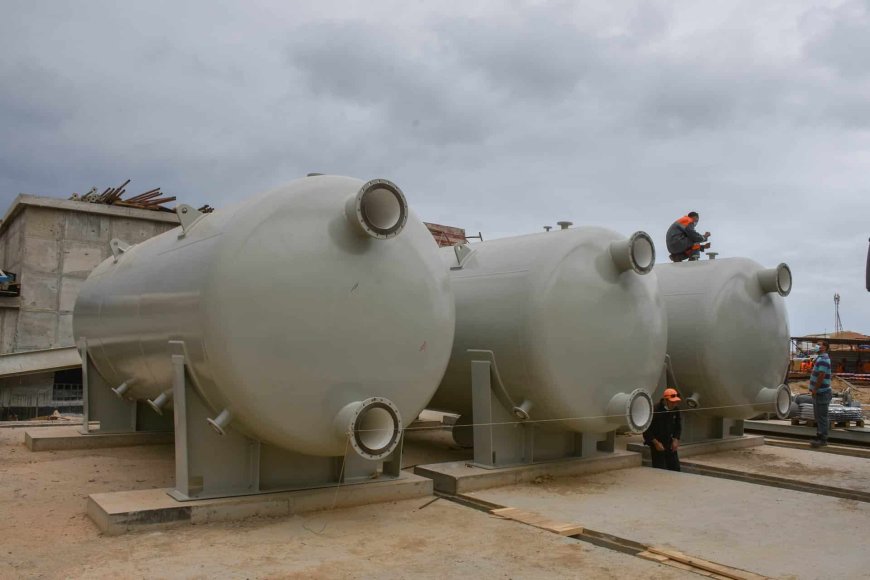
[[574, 320]]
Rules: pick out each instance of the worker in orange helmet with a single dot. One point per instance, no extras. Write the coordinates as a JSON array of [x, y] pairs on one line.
[[683, 242], [663, 434]]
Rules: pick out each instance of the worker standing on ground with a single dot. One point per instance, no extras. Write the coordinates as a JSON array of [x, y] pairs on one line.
[[820, 389], [663, 435], [683, 241]]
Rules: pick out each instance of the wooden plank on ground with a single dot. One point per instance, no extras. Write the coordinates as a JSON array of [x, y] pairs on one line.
[[539, 521], [662, 556], [721, 569]]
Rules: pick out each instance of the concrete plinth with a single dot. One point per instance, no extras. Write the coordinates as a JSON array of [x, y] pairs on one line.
[[50, 423], [64, 438], [126, 511], [461, 477], [704, 447]]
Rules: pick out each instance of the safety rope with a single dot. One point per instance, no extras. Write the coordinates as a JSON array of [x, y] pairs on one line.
[[530, 421]]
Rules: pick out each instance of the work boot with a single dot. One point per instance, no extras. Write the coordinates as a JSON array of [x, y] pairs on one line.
[[818, 443]]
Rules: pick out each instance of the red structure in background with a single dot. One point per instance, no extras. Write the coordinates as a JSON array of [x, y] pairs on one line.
[[447, 235]]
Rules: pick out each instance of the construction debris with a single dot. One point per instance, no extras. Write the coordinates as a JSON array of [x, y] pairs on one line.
[[153, 199], [447, 235]]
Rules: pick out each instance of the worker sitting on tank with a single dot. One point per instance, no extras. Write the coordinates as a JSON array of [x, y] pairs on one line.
[[663, 434], [683, 242]]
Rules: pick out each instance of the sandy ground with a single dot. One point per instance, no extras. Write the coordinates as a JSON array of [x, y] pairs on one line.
[[44, 532]]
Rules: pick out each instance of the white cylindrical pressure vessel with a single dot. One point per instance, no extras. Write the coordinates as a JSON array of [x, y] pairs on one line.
[[312, 311], [574, 320], [728, 337]]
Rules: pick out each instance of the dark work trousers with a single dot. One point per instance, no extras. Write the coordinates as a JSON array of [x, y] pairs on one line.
[[666, 459], [821, 402]]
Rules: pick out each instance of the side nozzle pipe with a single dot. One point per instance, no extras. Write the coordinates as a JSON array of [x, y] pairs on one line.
[[693, 401], [637, 253], [122, 389], [776, 280], [160, 402], [780, 398], [378, 210], [219, 423], [373, 427], [521, 411], [634, 410]]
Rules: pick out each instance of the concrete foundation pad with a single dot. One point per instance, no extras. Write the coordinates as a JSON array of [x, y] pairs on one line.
[[68, 437], [458, 477], [746, 526], [849, 435], [705, 447], [127, 511], [829, 474]]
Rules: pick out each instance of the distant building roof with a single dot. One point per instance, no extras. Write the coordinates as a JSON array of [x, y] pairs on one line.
[[24, 200], [846, 338], [847, 334]]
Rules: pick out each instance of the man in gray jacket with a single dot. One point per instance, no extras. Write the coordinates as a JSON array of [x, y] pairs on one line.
[[683, 242]]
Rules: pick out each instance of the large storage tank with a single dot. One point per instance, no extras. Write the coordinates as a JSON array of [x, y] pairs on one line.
[[575, 322], [310, 311], [728, 337]]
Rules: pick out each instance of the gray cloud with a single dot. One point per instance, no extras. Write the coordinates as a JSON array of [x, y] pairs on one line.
[[497, 117]]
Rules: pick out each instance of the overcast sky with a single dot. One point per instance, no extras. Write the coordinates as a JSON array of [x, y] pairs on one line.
[[499, 117]]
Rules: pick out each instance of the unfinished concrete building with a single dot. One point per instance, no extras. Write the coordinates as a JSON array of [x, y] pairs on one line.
[[51, 245]]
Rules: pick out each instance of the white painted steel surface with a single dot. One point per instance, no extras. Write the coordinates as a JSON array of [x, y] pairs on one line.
[[292, 306], [572, 327], [728, 336]]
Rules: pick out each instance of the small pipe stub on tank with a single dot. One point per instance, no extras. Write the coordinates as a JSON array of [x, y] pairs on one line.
[[373, 427], [693, 401], [776, 280], [122, 389], [637, 253], [564, 224], [219, 423], [634, 410], [379, 209], [160, 402], [521, 411]]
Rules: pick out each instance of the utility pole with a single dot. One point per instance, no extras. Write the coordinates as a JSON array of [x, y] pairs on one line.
[[838, 324]]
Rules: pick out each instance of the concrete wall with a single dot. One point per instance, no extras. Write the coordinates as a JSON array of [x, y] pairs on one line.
[[53, 251], [27, 390]]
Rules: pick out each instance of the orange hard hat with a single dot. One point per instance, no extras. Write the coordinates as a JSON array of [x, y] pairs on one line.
[[671, 395]]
